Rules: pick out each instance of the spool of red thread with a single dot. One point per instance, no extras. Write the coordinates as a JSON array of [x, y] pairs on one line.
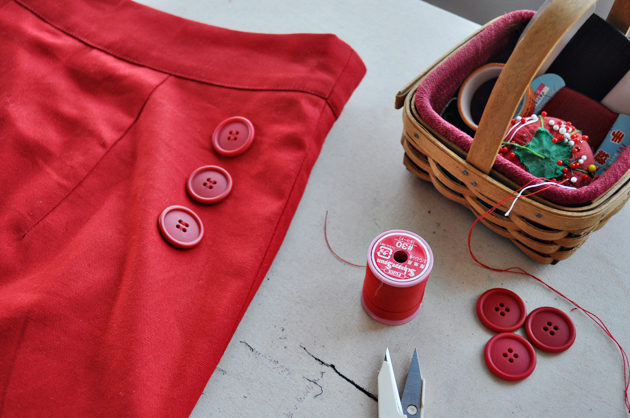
[[398, 267]]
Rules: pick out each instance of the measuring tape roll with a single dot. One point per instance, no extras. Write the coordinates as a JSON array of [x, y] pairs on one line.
[[472, 83], [399, 264]]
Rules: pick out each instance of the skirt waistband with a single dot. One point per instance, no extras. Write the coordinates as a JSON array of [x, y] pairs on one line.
[[321, 65]]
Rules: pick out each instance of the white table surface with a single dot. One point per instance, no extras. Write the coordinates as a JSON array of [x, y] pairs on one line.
[[308, 307]]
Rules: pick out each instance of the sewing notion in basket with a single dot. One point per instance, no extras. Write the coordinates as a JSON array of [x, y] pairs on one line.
[[551, 225]]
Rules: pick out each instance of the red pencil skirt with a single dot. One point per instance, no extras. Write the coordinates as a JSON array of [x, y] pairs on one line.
[[105, 110]]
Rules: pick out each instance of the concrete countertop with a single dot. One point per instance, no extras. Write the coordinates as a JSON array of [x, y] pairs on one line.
[[306, 348]]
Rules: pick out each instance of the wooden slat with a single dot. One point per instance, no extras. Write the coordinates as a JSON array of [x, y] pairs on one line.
[[544, 234], [619, 15], [421, 174]]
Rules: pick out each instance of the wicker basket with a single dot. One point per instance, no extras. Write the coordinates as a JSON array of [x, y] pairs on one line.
[[547, 232]]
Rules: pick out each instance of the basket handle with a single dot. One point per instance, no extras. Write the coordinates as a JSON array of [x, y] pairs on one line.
[[518, 73], [619, 15]]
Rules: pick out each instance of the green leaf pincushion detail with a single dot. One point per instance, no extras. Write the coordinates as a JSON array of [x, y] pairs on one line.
[[541, 155], [550, 148]]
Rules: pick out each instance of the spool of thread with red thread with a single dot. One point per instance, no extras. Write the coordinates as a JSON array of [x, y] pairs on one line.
[[398, 267]]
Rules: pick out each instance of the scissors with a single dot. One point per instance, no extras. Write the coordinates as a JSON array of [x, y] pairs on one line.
[[389, 402]]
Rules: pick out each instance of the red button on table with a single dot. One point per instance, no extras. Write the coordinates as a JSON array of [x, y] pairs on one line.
[[510, 356], [501, 310], [209, 184], [233, 136], [180, 226], [550, 329]]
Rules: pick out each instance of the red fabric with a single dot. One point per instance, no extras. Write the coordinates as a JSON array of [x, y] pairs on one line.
[[103, 115], [442, 83], [595, 118]]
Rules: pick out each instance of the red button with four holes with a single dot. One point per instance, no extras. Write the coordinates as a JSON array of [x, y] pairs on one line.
[[233, 136], [209, 184], [550, 329], [510, 356], [180, 226], [501, 310]]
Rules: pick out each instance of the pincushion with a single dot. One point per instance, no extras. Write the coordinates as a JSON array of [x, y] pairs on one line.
[[550, 148]]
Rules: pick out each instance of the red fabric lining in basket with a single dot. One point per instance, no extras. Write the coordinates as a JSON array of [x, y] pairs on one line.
[[594, 117], [442, 83]]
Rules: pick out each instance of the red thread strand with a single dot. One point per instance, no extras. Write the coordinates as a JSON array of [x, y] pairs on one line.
[[333, 251], [518, 270]]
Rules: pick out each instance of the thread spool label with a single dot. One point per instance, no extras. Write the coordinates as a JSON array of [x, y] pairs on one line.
[[400, 257]]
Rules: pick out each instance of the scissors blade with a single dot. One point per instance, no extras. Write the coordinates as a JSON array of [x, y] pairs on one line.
[[413, 393], [388, 397]]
